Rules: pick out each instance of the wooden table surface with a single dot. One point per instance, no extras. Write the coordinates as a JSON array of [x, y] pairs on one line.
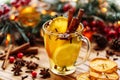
[[7, 74]]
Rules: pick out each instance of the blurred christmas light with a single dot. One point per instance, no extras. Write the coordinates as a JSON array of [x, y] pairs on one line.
[[28, 9], [34, 5], [53, 13], [12, 17], [8, 38], [100, 1], [103, 10], [118, 23], [44, 12], [75, 0], [29, 16]]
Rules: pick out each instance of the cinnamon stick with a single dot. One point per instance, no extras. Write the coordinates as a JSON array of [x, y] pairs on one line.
[[70, 16], [18, 49], [80, 14], [6, 57], [31, 50], [75, 21], [28, 51], [72, 26]]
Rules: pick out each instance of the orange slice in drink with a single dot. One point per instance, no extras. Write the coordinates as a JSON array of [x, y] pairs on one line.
[[52, 43], [66, 55], [59, 24]]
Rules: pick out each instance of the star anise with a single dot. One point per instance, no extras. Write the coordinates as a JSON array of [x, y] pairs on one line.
[[32, 65], [45, 73], [20, 62], [16, 69], [115, 44], [23, 77]]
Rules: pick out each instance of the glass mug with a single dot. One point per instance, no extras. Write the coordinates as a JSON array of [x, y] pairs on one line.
[[64, 52]]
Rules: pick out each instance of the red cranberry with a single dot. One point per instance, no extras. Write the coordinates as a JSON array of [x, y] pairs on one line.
[[17, 5], [112, 34], [34, 74], [85, 23], [22, 2], [25, 2], [6, 9], [20, 55], [107, 29], [101, 24], [11, 59], [94, 28], [93, 23], [66, 7], [73, 9], [14, 3]]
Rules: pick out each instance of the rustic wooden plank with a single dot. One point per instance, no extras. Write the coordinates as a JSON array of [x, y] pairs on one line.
[[44, 62]]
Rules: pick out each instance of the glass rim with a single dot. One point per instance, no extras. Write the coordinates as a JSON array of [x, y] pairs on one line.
[[55, 33]]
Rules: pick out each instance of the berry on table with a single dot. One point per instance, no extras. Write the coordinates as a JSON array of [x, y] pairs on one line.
[[11, 59], [66, 7], [20, 55], [34, 74]]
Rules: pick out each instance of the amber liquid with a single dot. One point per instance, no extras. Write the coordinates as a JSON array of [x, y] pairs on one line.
[[62, 53]]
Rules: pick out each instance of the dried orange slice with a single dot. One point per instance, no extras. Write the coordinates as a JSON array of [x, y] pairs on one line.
[[103, 65], [103, 76], [83, 76]]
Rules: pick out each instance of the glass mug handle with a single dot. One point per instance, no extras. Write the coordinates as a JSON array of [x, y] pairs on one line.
[[84, 39]]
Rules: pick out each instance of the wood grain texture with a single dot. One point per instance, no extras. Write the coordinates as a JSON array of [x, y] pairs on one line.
[[44, 62]]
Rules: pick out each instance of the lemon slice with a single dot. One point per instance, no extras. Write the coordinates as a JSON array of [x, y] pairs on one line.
[[50, 40], [66, 55], [59, 24]]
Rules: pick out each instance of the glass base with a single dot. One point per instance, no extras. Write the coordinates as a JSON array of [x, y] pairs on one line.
[[55, 71]]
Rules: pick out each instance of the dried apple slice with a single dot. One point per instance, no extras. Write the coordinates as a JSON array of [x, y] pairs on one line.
[[103, 65]]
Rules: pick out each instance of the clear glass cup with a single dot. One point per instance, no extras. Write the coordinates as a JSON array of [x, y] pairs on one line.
[[63, 49]]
